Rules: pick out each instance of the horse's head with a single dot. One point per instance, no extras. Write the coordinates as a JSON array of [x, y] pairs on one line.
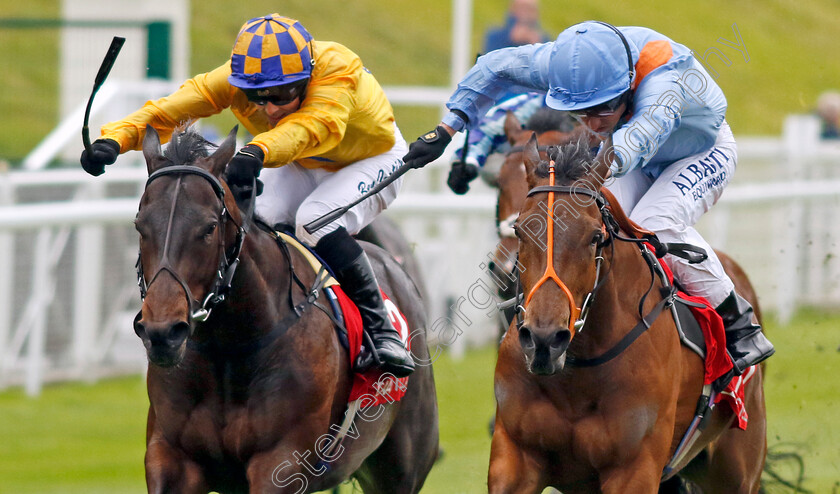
[[561, 232], [185, 239], [551, 127]]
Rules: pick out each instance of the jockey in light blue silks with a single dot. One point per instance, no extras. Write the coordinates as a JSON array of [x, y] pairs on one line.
[[674, 151]]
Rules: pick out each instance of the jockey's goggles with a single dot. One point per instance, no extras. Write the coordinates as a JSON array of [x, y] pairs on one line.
[[603, 110], [277, 95]]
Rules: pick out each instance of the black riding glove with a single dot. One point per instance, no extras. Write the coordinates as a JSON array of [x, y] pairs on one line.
[[460, 177], [244, 168], [104, 152], [427, 147]]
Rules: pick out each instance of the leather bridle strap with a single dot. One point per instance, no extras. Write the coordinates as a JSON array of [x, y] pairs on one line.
[[643, 325], [190, 170], [227, 263], [567, 190]]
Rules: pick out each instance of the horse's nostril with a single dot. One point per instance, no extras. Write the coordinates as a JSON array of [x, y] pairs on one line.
[[526, 339], [561, 339], [178, 333], [139, 329]]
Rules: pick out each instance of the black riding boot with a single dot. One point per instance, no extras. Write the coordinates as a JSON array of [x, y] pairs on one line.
[[353, 270], [745, 342]]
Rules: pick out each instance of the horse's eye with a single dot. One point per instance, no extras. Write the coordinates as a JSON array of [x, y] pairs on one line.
[[516, 229], [208, 231], [597, 239]]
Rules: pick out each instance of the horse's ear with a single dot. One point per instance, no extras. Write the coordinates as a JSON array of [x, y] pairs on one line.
[[151, 149], [219, 159], [531, 159], [601, 168], [513, 128]]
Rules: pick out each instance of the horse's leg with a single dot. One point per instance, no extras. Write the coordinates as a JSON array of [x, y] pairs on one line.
[[512, 470], [402, 462], [641, 476], [167, 469], [285, 470], [736, 459]]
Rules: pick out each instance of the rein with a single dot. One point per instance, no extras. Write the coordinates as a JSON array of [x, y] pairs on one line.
[[199, 311]]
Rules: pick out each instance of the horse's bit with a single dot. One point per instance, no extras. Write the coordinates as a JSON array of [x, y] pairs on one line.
[[227, 263]]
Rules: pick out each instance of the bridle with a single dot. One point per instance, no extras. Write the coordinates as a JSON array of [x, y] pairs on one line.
[[577, 315], [228, 262]]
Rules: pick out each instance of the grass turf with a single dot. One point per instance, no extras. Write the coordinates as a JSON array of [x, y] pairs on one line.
[[79, 438]]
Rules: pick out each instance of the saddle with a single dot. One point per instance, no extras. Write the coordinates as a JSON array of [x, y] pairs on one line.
[[370, 387]]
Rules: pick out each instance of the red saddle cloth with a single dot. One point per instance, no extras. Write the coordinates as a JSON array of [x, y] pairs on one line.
[[373, 386], [717, 360]]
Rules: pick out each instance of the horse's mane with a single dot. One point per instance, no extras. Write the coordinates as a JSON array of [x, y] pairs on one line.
[[546, 119], [571, 161], [186, 146]]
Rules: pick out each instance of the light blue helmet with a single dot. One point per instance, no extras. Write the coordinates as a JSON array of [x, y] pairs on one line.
[[591, 63]]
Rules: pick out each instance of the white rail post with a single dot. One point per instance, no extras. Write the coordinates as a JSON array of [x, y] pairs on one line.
[[87, 293], [36, 346], [799, 137], [461, 41], [7, 273]]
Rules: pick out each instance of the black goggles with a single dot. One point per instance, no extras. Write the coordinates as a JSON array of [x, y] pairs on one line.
[[604, 109], [277, 95]]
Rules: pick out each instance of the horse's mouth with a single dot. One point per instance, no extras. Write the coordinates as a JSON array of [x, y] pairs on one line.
[[543, 358], [165, 343], [545, 366], [164, 355]]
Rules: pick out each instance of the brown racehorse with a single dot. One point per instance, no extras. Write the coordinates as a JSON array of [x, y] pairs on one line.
[[611, 427], [250, 398]]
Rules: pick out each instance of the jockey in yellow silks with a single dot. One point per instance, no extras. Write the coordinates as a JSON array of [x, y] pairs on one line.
[[325, 133]]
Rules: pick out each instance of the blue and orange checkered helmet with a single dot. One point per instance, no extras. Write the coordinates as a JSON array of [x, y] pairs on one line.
[[270, 51]]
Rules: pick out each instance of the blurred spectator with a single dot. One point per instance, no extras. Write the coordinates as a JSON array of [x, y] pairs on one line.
[[828, 109], [522, 27]]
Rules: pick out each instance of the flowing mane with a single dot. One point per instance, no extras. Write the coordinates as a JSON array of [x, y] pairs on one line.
[[571, 161], [186, 146]]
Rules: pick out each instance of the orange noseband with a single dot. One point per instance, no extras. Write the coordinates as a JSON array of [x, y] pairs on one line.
[[550, 273]]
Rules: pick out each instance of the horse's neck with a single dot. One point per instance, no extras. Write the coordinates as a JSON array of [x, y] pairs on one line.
[[617, 302], [259, 295]]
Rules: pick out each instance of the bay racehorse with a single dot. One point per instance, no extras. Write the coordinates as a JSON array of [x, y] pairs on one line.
[[611, 426], [247, 381]]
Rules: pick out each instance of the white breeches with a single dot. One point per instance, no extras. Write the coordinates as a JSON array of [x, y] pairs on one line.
[[672, 204], [296, 195]]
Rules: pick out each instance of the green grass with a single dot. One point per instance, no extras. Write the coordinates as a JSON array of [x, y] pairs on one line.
[[79, 438], [803, 395], [791, 47]]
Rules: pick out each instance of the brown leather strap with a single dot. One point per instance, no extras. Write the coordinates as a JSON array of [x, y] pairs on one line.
[[626, 224]]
